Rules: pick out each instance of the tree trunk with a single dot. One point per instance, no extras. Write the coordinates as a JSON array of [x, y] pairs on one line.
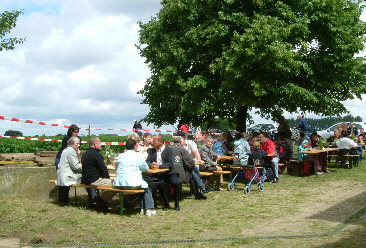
[[241, 119]]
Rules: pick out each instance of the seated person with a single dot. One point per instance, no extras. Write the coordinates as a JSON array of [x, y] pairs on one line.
[[269, 147], [242, 148], [284, 151], [219, 147], [207, 156], [322, 157], [345, 144], [357, 150], [129, 168], [304, 157], [161, 156], [95, 172], [259, 157], [69, 170]]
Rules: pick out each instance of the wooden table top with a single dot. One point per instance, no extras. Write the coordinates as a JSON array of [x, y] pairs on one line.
[[153, 171]]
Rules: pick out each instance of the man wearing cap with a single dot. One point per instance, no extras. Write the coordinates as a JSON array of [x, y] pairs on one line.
[[192, 149]]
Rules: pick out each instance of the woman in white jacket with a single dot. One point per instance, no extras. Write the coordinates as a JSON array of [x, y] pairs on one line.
[[69, 170]]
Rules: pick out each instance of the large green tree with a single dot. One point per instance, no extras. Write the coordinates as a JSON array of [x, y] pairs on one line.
[[222, 58], [7, 22]]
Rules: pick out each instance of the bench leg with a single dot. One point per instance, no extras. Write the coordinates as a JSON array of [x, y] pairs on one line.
[[75, 195]]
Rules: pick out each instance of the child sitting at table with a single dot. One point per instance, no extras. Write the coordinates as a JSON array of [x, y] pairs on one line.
[[304, 157]]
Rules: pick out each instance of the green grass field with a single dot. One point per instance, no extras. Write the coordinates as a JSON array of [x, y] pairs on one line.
[[323, 211]]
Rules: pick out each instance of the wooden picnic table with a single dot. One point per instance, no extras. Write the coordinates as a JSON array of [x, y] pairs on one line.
[[158, 170]]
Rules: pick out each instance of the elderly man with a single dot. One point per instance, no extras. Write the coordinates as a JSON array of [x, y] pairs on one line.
[[184, 165], [69, 170], [207, 156], [161, 156], [269, 147], [303, 126], [95, 172]]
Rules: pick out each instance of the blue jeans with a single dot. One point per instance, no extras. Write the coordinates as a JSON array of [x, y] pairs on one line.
[[274, 163], [196, 182], [146, 201], [306, 132]]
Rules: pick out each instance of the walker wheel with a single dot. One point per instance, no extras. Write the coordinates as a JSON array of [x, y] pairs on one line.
[[230, 186], [260, 187], [246, 190]]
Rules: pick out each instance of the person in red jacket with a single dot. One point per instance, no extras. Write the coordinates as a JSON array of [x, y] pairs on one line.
[[269, 147]]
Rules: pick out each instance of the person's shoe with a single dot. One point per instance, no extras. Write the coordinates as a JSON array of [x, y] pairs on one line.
[[102, 205], [177, 208], [166, 208], [142, 211], [327, 171], [207, 189], [275, 180], [150, 212], [218, 189], [200, 196], [319, 173]]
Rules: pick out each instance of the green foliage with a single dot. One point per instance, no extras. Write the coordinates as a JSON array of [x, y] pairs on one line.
[[8, 22], [213, 59]]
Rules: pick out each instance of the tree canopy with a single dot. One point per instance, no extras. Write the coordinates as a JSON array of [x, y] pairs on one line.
[[8, 22], [221, 58]]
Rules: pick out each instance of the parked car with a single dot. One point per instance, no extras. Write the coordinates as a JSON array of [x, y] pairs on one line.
[[266, 127], [325, 134]]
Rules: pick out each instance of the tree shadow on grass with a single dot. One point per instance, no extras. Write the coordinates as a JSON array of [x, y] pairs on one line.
[[344, 210], [351, 213]]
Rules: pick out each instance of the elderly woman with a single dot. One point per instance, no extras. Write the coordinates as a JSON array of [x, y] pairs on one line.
[[207, 156], [73, 131], [129, 168], [69, 169]]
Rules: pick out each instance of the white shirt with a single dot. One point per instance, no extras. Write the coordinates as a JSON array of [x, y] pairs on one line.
[[191, 147], [345, 143], [158, 155]]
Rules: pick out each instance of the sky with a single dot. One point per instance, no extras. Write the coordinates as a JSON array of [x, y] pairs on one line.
[[79, 65]]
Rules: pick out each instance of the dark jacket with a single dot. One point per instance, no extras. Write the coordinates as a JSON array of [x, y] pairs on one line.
[[63, 146], [183, 163], [285, 151], [93, 166], [259, 155], [167, 157], [352, 130]]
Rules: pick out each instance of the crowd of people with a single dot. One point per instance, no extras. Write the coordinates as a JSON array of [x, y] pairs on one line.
[[184, 161]]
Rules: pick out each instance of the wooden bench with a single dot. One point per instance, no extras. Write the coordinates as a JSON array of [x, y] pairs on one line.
[[110, 188], [353, 159]]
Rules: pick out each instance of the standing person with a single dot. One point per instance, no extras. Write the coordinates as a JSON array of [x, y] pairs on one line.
[[129, 168], [284, 131], [95, 172], [303, 126], [207, 156], [161, 156], [184, 128], [69, 170], [71, 132], [268, 146]]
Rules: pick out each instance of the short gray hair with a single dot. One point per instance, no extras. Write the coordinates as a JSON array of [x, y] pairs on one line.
[[73, 140]]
